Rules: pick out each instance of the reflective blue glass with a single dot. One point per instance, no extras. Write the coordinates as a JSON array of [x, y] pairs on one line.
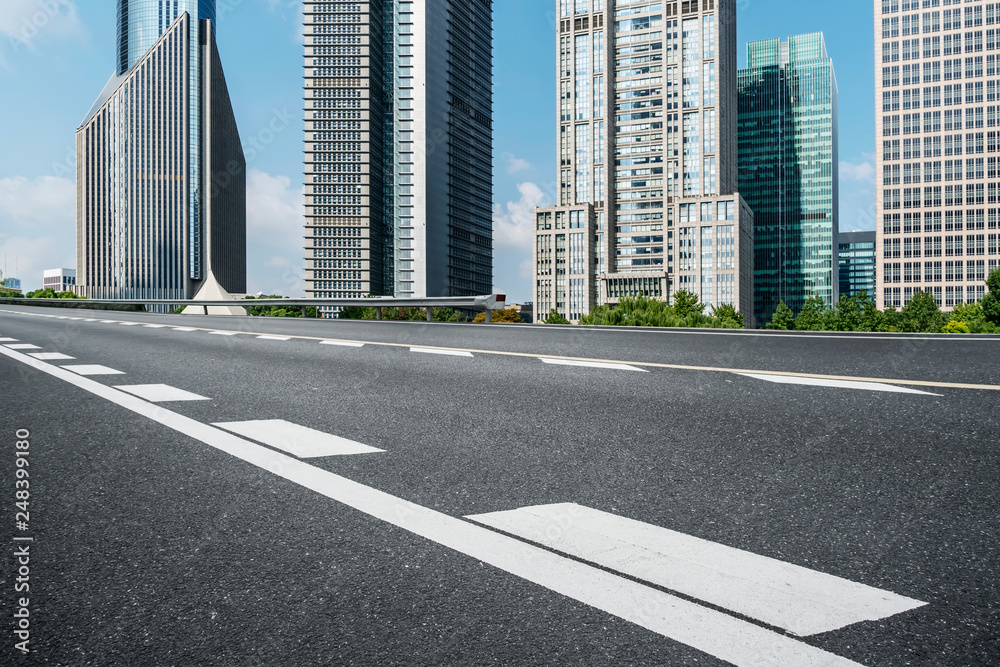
[[141, 22]]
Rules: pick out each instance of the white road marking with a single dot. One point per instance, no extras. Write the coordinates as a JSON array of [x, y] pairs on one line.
[[300, 441], [273, 338], [8, 340], [184, 329], [223, 333], [713, 632], [447, 353], [155, 326], [840, 384], [109, 321], [22, 346], [802, 601], [341, 343], [160, 393], [50, 356], [89, 319], [92, 369], [130, 324], [594, 364]]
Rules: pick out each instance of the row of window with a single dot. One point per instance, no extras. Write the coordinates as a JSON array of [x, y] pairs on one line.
[[953, 295], [931, 246], [931, 272]]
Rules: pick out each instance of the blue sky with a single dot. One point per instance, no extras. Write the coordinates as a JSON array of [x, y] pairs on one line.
[[56, 55]]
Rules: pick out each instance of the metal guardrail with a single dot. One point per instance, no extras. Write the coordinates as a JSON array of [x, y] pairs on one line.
[[489, 303]]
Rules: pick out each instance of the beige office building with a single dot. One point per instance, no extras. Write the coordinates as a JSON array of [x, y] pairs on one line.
[[937, 125], [647, 142]]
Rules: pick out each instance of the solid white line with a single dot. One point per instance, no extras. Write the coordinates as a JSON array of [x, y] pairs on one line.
[[594, 364], [300, 441], [341, 343], [50, 356], [839, 384], [273, 338], [803, 601], [160, 393], [223, 333], [707, 630], [447, 353], [22, 346], [92, 369]]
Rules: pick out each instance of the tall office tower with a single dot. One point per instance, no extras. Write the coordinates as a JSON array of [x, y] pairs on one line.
[[398, 152], [936, 121], [788, 170], [647, 149], [161, 178], [858, 263]]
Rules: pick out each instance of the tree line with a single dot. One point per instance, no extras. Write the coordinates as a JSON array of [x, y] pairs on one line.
[[921, 315]]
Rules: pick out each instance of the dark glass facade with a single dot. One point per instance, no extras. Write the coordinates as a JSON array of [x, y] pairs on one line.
[[161, 210], [788, 170], [857, 263]]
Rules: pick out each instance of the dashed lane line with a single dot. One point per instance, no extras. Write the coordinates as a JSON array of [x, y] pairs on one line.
[[297, 440], [642, 364], [783, 595], [713, 632], [447, 353], [51, 356], [593, 364], [279, 338], [160, 393], [92, 369], [839, 384]]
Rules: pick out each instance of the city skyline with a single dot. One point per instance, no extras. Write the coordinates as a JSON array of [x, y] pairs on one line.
[[265, 104]]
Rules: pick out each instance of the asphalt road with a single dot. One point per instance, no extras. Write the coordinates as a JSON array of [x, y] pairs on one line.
[[159, 539]]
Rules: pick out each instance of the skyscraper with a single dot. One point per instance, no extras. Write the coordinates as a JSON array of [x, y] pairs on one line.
[[161, 182], [398, 148], [788, 170], [936, 119], [647, 151], [858, 263]]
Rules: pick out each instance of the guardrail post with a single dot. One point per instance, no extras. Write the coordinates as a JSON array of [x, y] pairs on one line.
[[378, 312], [489, 315], [304, 311], [430, 314]]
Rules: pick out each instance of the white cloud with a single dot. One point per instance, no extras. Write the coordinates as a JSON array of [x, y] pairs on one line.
[[275, 227], [513, 224], [37, 227], [515, 164], [857, 171], [23, 22]]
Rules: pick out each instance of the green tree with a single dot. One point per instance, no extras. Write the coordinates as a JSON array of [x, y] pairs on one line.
[[506, 316], [991, 302], [813, 315], [686, 302], [280, 311], [728, 316], [555, 318], [783, 318], [49, 293], [971, 315], [922, 314]]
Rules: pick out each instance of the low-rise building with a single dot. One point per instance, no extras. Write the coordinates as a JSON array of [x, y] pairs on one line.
[[59, 280]]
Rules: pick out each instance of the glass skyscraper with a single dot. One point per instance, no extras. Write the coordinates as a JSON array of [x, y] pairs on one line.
[[788, 170], [647, 159], [857, 263], [398, 148], [161, 183]]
